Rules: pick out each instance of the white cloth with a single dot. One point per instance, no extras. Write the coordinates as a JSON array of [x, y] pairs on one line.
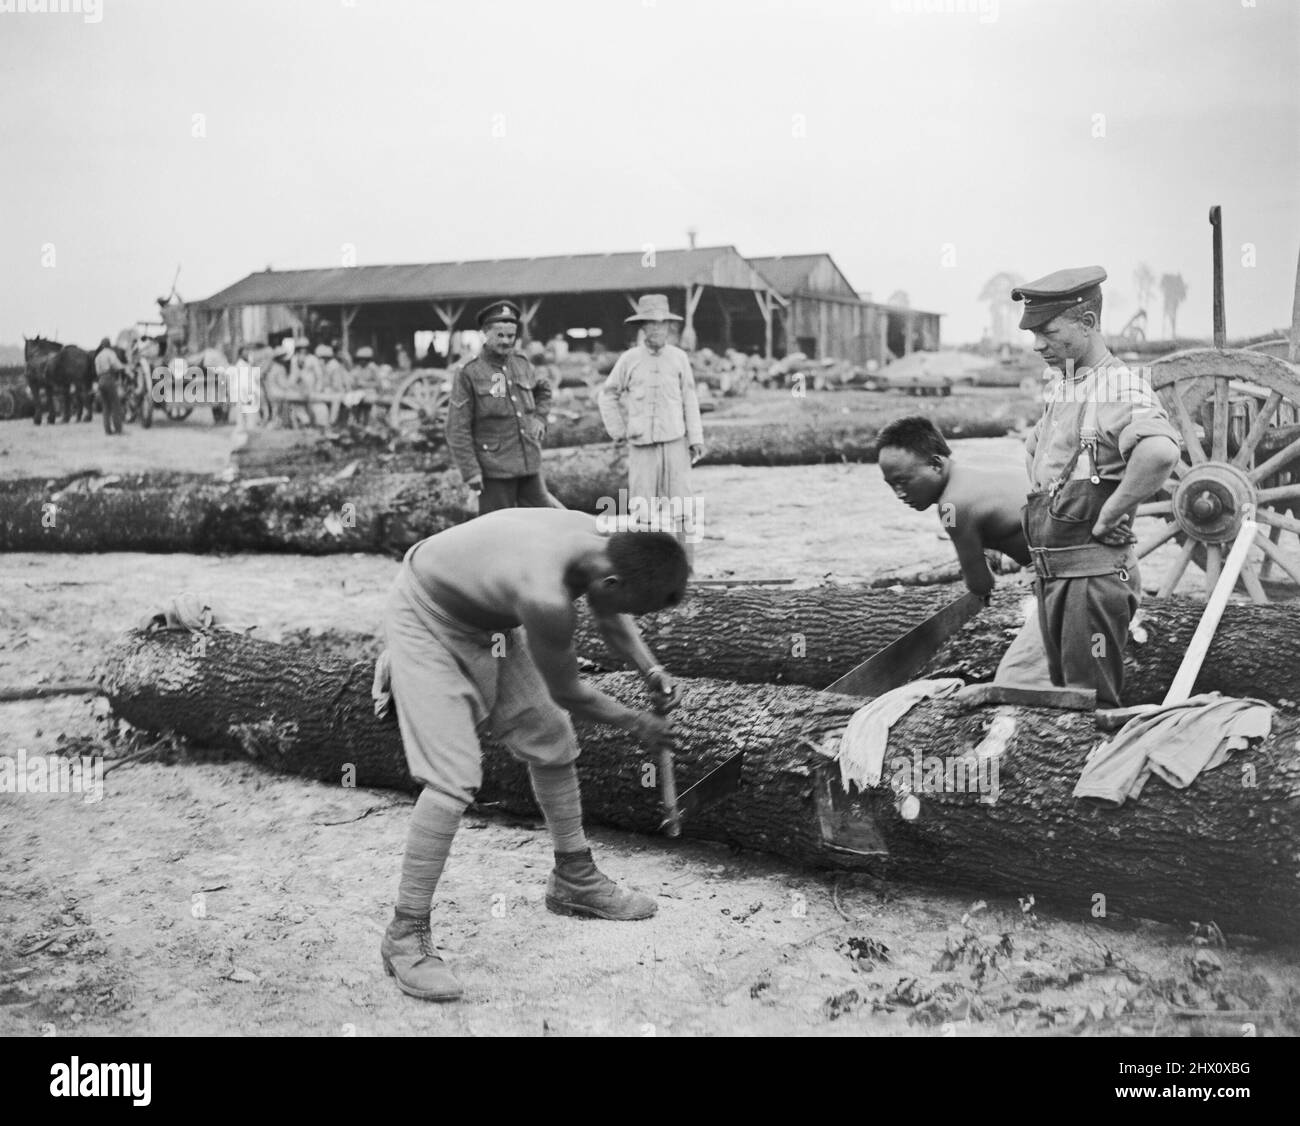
[[381, 690], [1177, 743], [865, 740]]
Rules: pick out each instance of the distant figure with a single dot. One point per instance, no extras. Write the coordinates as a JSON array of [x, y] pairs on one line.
[[307, 375], [108, 367], [649, 401], [404, 364], [365, 385]]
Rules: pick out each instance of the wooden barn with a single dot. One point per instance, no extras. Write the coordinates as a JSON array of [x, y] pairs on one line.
[[825, 317], [725, 301]]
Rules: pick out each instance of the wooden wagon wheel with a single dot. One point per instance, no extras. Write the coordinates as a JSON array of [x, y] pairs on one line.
[[420, 399], [1239, 416]]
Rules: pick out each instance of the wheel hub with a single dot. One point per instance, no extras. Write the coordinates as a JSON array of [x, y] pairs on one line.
[[1208, 501]]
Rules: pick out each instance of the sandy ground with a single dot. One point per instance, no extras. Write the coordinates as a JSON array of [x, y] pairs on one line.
[[209, 898]]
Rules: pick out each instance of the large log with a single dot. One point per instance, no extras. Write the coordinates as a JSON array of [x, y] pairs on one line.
[[364, 511], [809, 436], [815, 635], [812, 438], [808, 636], [1224, 849]]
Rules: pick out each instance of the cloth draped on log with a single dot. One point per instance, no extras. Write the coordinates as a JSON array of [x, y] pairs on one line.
[[190, 611], [866, 738], [1176, 743], [381, 690]]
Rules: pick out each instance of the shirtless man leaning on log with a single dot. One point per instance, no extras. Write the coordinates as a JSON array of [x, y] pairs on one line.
[[479, 627], [978, 508]]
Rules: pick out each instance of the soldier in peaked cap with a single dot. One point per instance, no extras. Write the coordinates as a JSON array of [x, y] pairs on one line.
[[497, 419], [1103, 446]]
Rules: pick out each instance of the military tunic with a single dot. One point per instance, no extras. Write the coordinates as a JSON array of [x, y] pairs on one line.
[[494, 407], [1087, 591]]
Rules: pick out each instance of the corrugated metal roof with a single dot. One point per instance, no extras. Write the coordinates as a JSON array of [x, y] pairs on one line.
[[499, 277]]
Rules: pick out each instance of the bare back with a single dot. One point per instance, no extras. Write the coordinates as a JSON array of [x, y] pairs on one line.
[[986, 504], [486, 571]]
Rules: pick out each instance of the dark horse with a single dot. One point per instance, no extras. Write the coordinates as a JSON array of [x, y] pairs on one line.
[[60, 369]]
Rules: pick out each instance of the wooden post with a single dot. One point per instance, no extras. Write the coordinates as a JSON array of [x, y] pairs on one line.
[[693, 295], [908, 322], [1293, 351], [1220, 320], [346, 317], [765, 306], [526, 313], [449, 315]]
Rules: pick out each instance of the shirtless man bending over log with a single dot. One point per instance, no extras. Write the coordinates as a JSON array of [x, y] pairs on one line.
[[980, 509], [479, 626]]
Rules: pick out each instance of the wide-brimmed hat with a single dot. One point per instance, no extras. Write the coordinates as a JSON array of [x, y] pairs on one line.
[[301, 342], [324, 351], [652, 307], [365, 353]]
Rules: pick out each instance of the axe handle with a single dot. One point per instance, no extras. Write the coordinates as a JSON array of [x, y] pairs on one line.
[[668, 790]]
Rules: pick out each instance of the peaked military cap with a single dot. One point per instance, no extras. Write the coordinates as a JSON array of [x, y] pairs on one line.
[[498, 311], [1051, 296]]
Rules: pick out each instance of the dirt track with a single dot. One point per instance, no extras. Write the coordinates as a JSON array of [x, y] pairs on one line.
[[294, 880]]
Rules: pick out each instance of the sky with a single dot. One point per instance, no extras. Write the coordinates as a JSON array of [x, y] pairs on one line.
[[925, 144]]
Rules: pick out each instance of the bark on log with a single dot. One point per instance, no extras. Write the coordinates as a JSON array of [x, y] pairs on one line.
[[816, 438], [809, 437], [310, 515], [809, 636], [814, 636], [1224, 849]]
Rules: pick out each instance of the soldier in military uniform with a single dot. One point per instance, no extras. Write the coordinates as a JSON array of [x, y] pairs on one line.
[[497, 419], [1103, 446]]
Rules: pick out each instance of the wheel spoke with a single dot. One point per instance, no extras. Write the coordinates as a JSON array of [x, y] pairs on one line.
[[1265, 416], [1156, 508], [1275, 554], [1186, 427], [1277, 520], [1219, 447], [1213, 565], [1252, 584], [1274, 534], [1281, 492], [1279, 459], [1180, 565], [1148, 546]]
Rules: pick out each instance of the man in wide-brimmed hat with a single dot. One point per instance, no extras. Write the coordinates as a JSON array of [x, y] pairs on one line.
[[649, 401]]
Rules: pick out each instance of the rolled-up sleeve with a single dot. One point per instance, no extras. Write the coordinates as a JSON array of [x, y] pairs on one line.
[[1134, 413]]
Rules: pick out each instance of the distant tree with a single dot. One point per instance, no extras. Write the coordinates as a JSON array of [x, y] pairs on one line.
[[1002, 310], [899, 297], [1145, 281], [1175, 293]]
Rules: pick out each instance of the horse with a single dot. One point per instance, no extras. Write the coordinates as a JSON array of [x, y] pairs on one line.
[[62, 369]]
